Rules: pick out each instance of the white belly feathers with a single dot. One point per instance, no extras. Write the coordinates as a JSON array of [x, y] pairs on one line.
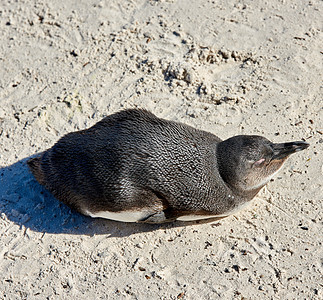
[[123, 216], [198, 217]]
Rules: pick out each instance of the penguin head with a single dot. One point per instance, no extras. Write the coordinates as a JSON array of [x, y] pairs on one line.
[[248, 162]]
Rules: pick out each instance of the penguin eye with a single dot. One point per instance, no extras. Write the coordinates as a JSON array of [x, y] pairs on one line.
[[259, 162]]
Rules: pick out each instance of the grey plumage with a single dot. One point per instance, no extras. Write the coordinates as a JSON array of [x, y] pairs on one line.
[[133, 160]]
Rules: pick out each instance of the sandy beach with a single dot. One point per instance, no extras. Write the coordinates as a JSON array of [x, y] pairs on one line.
[[228, 67]]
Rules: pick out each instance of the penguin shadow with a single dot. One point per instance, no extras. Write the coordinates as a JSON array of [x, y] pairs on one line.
[[27, 203]]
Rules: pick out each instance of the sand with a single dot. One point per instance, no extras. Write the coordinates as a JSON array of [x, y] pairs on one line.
[[229, 67]]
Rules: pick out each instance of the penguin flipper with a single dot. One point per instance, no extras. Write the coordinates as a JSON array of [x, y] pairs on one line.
[[157, 218]]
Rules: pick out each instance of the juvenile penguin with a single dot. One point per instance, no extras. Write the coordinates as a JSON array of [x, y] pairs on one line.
[[135, 167]]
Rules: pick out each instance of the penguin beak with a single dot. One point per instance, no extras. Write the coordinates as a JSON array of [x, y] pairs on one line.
[[283, 150]]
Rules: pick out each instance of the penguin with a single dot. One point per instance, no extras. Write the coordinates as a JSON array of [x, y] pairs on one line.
[[135, 167]]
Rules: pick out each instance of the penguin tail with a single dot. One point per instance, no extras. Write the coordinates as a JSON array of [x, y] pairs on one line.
[[34, 165]]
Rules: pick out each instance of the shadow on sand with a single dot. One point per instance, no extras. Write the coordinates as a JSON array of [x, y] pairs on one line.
[[27, 203]]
